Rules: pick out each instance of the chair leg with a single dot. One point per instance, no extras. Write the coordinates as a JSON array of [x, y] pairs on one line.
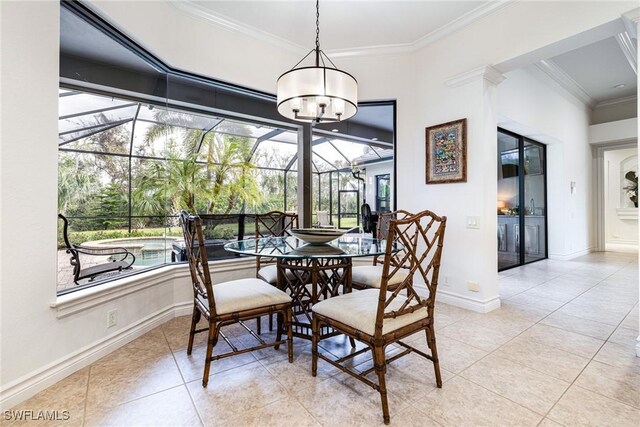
[[270, 322], [381, 367], [279, 321], [290, 333], [195, 318], [431, 342], [315, 327], [211, 342], [352, 341], [259, 325]]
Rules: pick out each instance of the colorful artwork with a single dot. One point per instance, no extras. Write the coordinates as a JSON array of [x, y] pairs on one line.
[[447, 152]]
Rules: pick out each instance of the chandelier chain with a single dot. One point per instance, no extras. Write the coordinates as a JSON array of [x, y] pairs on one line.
[[317, 24]]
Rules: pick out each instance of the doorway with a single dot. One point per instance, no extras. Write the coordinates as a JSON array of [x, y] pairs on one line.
[[522, 200]]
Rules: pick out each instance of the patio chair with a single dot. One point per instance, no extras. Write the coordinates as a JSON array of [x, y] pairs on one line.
[[323, 220], [229, 302], [369, 276], [378, 317], [276, 224], [118, 258]]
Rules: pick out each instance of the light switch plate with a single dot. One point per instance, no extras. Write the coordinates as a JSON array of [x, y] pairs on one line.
[[473, 222]]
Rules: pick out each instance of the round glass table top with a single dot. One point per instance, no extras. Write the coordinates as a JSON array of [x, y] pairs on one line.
[[347, 246]]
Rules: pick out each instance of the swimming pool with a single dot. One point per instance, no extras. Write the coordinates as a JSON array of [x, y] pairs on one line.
[[147, 250]]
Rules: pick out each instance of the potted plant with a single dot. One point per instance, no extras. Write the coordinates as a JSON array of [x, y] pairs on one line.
[[632, 188]]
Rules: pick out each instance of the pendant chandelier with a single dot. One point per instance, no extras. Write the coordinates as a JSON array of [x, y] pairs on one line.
[[319, 93]]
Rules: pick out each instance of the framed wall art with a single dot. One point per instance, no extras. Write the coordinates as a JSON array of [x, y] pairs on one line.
[[447, 152]]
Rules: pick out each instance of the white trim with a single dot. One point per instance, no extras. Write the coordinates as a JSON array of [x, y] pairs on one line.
[[598, 177], [75, 302], [621, 246], [571, 255], [630, 21], [233, 25], [628, 49], [230, 24], [473, 304], [615, 102], [550, 68], [638, 347], [32, 383], [627, 213], [486, 72]]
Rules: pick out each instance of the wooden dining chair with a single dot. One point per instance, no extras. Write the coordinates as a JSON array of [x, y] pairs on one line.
[[369, 276], [271, 224], [379, 317], [229, 302]]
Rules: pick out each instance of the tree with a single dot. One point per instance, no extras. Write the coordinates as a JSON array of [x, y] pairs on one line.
[[218, 179]]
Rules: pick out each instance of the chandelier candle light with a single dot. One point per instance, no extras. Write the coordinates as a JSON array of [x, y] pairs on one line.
[[318, 93]]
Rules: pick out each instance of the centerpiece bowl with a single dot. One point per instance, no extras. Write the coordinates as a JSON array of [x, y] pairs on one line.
[[317, 236]]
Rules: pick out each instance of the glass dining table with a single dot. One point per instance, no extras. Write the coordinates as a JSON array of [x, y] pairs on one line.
[[311, 273]]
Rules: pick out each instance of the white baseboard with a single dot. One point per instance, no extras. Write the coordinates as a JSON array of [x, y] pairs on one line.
[[622, 247], [566, 257], [473, 304], [28, 385]]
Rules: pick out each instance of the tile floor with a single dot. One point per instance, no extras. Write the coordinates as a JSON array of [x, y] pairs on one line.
[[560, 351]]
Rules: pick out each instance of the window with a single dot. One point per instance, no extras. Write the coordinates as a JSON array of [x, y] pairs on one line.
[[126, 170], [383, 193], [140, 141]]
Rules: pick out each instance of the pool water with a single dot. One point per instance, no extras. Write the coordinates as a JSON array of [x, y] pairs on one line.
[[147, 250]]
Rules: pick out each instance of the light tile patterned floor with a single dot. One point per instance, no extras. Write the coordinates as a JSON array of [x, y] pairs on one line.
[[560, 351]]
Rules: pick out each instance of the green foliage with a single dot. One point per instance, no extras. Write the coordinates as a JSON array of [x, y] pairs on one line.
[[79, 237], [632, 188], [225, 233]]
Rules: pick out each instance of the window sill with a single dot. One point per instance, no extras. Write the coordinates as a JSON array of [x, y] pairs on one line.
[[75, 302]]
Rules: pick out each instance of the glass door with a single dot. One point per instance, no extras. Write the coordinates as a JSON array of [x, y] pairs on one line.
[[535, 227], [508, 201], [522, 200]]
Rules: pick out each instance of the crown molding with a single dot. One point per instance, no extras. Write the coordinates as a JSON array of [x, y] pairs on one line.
[[628, 49], [233, 25], [552, 69], [194, 9], [615, 102], [486, 72]]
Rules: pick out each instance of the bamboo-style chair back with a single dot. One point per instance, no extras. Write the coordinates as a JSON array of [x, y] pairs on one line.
[[422, 235], [275, 223], [198, 263], [384, 222]]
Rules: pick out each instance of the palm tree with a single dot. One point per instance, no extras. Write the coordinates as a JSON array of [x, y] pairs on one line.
[[217, 179]]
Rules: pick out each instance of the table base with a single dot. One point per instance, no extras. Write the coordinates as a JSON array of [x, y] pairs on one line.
[[309, 281]]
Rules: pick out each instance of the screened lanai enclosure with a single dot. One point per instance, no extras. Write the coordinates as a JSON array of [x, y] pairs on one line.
[[127, 168]]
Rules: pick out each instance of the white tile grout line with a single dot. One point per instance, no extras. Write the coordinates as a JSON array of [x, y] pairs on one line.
[[537, 322], [453, 374], [184, 382]]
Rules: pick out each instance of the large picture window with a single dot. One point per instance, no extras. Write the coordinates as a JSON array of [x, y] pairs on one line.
[[140, 141]]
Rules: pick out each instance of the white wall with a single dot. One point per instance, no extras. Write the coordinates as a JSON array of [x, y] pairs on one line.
[[531, 104], [618, 229], [35, 342], [612, 132]]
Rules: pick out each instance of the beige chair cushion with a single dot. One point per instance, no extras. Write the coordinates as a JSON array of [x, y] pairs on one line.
[[246, 294], [358, 309], [269, 273], [371, 276]]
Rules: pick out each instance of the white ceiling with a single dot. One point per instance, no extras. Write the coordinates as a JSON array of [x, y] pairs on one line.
[[344, 25], [597, 68]]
